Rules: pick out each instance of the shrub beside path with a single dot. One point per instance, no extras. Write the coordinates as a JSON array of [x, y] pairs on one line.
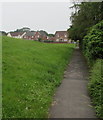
[[71, 99]]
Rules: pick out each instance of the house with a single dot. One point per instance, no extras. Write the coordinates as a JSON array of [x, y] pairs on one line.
[[61, 36], [25, 33], [40, 35], [37, 36], [29, 35], [51, 38], [16, 34]]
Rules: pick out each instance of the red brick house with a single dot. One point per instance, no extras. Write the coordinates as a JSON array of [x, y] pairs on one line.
[[37, 35], [51, 39], [40, 35], [30, 35], [61, 36]]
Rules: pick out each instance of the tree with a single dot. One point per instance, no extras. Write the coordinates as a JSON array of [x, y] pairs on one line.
[[85, 16], [51, 35], [24, 29], [3, 33]]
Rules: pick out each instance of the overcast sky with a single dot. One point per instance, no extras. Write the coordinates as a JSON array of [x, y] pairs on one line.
[[48, 16]]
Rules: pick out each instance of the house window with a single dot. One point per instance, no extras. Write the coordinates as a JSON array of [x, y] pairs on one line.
[[47, 37], [65, 40], [65, 35]]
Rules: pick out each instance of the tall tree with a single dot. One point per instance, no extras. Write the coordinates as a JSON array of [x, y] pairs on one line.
[[86, 15]]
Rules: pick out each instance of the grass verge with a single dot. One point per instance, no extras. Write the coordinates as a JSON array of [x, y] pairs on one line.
[[31, 72], [96, 87]]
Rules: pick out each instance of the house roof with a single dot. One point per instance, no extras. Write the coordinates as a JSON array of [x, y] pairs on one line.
[[42, 33], [16, 33], [51, 38], [30, 33], [61, 33]]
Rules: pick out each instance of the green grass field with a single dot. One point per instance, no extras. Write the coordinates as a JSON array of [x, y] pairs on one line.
[[31, 72]]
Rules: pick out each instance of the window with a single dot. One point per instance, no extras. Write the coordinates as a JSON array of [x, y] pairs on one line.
[[65, 40], [47, 37]]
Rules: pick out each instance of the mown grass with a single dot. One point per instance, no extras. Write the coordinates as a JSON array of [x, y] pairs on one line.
[[96, 87], [31, 72]]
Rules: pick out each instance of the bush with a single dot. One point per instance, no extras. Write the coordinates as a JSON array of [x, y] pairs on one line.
[[93, 43], [48, 41], [93, 49], [96, 87]]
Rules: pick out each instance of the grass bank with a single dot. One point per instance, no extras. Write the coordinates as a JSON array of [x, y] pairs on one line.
[[96, 87], [31, 72]]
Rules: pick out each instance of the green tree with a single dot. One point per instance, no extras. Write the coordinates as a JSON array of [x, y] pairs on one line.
[[86, 15]]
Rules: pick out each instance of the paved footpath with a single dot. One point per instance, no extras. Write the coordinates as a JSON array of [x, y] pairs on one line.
[[71, 99]]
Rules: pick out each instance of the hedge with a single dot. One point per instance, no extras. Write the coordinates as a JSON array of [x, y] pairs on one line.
[[93, 50], [93, 43], [96, 87]]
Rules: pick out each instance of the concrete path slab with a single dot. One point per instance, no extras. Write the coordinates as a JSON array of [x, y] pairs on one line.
[[71, 99]]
